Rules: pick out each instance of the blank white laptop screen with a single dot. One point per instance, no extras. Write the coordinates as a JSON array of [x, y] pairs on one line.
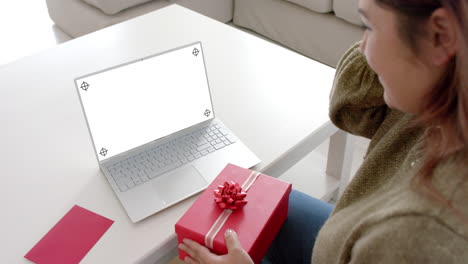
[[132, 104]]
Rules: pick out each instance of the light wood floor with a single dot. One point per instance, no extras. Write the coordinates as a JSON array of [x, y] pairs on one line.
[[176, 260]]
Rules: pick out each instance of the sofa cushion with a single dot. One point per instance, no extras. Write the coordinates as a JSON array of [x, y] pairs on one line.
[[77, 18], [323, 37], [320, 6], [112, 7], [347, 10]]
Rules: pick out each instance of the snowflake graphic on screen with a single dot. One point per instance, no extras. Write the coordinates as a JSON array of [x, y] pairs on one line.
[[103, 152], [84, 86], [195, 52], [207, 113]]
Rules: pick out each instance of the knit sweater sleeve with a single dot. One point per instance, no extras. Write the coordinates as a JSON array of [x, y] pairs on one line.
[[410, 239], [356, 100]]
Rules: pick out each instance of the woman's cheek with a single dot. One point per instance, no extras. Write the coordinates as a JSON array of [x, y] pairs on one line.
[[370, 60], [373, 53], [388, 99]]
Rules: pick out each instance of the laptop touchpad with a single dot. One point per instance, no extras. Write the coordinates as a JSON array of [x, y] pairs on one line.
[[174, 186]]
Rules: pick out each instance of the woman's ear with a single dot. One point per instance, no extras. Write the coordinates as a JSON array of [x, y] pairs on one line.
[[443, 36]]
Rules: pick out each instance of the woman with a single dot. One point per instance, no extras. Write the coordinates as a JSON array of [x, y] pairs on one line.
[[405, 86]]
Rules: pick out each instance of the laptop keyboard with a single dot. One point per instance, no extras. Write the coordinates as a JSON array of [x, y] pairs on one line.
[[147, 165]]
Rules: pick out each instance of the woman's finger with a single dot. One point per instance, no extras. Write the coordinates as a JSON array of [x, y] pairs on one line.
[[196, 251], [232, 241], [186, 249], [190, 260]]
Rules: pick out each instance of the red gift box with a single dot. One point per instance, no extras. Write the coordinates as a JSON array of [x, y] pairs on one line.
[[256, 223]]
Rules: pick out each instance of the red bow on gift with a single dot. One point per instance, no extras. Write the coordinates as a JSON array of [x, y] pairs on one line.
[[230, 196]]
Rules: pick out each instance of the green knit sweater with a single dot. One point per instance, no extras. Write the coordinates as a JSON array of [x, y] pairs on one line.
[[380, 218]]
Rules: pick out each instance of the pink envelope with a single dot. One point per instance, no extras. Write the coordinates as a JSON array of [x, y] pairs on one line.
[[71, 238]]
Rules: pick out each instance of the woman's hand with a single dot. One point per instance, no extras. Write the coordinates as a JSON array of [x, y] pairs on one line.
[[202, 255]]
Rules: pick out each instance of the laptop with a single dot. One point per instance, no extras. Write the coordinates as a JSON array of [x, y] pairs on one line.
[[154, 131]]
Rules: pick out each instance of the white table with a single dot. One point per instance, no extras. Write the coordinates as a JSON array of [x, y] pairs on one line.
[[276, 101]]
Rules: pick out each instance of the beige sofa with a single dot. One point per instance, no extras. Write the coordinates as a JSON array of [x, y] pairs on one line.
[[319, 29]]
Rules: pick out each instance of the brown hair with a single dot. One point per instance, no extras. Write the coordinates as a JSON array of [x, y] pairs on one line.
[[446, 109]]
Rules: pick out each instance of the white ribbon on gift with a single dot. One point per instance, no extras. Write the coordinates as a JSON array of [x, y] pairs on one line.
[[223, 217]]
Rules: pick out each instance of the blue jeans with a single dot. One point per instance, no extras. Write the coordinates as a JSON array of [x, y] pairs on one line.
[[296, 238]]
